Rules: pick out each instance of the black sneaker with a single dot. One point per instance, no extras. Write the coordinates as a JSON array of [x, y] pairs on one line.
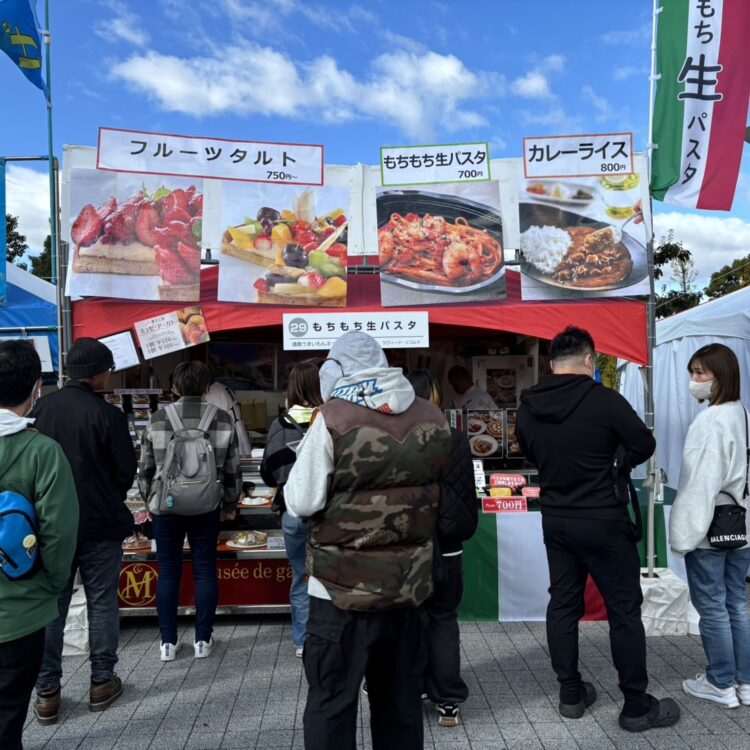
[[663, 713], [447, 714], [576, 710]]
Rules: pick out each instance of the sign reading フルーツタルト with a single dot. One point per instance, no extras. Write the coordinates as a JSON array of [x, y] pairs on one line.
[[215, 158], [702, 96], [578, 155], [319, 331], [423, 165]]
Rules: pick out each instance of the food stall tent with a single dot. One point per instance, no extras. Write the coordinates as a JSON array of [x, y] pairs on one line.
[[31, 309]]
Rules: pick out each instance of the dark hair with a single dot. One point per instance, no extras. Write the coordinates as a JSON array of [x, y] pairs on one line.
[[572, 342], [722, 363], [191, 378], [304, 385], [458, 372], [20, 368], [426, 386]]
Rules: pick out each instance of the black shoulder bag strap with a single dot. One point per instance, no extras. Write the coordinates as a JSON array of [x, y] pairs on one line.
[[745, 491]]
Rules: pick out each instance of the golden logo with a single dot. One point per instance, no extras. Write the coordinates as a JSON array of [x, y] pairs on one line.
[[138, 585]]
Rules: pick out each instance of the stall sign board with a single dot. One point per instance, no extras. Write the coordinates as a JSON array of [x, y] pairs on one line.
[[171, 332], [123, 350], [424, 165], [514, 481], [138, 391], [479, 480], [504, 505], [578, 155], [216, 158], [241, 583], [396, 330], [41, 345]]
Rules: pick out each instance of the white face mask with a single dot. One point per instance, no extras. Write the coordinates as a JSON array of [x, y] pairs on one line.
[[701, 391]]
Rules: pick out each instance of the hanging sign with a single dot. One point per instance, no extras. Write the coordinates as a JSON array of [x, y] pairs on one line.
[[123, 350], [172, 332], [420, 165], [398, 330], [578, 155], [217, 158], [504, 505]]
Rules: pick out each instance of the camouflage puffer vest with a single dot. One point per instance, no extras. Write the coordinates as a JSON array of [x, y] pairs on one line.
[[372, 545]]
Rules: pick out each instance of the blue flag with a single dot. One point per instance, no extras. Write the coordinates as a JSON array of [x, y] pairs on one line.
[[19, 38]]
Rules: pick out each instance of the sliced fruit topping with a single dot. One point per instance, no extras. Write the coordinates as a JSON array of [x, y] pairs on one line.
[[281, 234], [263, 242], [86, 227], [190, 257], [171, 269], [337, 250], [294, 256], [176, 199], [148, 218], [334, 287], [108, 209], [313, 280], [195, 205], [291, 289]]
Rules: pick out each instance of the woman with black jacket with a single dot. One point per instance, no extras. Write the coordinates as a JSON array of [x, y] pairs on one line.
[[457, 522], [303, 395]]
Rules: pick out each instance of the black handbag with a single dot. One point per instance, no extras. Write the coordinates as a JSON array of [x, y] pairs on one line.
[[728, 528]]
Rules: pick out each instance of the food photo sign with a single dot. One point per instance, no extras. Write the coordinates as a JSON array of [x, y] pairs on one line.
[[172, 332], [584, 236]]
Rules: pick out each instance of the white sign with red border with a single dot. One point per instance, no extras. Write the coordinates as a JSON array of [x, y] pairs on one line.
[[171, 332], [215, 158], [504, 505], [578, 155]]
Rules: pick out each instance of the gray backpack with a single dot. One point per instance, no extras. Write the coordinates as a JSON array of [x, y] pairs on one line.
[[188, 483]]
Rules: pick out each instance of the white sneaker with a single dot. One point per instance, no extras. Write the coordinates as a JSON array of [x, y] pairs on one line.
[[168, 651], [701, 688], [203, 649], [743, 693], [299, 652]]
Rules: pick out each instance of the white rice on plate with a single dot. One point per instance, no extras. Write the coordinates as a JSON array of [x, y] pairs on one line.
[[544, 247]]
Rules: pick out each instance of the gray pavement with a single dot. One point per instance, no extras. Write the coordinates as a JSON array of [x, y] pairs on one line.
[[251, 693]]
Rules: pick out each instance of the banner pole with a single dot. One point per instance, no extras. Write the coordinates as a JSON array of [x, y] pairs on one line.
[[651, 308]]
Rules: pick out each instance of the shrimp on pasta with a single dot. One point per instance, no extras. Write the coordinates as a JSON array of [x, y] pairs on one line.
[[432, 250]]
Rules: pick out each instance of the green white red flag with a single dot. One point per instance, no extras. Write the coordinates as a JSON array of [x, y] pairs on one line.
[[701, 106]]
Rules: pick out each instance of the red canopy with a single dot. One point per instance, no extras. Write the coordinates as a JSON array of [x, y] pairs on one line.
[[617, 325]]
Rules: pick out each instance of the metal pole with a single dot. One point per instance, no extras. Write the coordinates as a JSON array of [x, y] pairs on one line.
[[651, 310]]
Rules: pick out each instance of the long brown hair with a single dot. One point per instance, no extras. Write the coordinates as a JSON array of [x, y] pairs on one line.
[[304, 385], [722, 363]]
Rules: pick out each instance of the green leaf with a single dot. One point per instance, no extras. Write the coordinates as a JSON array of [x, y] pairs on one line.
[[198, 229], [160, 193]]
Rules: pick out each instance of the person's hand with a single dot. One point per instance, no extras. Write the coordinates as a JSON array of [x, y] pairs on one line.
[[228, 515], [638, 209]]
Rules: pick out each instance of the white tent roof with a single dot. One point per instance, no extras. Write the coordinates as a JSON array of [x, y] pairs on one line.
[[30, 283]]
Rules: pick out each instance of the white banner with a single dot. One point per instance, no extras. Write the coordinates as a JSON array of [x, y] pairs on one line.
[[216, 158], [578, 155], [420, 165], [171, 332], [123, 350], [397, 330]]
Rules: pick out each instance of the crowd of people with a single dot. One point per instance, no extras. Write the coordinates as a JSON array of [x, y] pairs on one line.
[[376, 496]]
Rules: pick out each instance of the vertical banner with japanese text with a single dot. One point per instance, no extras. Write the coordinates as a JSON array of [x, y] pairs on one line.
[[701, 105], [3, 236]]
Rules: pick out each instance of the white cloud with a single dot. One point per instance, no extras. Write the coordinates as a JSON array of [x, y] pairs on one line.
[[629, 71], [555, 117], [533, 85], [554, 63], [126, 26], [27, 198], [417, 92], [602, 108], [401, 41], [713, 241]]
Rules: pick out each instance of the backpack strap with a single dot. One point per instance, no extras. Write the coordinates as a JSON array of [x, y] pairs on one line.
[[207, 419], [174, 418], [745, 491], [288, 420]]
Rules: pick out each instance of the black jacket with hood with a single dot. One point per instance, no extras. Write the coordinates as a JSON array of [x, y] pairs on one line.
[[570, 428], [94, 436]]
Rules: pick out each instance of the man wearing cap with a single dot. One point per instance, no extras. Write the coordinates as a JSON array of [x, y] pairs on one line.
[[95, 438]]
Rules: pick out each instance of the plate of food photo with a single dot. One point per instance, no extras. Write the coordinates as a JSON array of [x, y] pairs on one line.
[[483, 445]]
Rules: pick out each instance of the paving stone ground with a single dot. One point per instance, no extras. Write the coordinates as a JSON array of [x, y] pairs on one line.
[[251, 694]]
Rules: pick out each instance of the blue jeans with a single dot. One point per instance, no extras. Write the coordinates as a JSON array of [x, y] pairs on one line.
[[99, 563], [295, 540], [203, 534], [717, 589]]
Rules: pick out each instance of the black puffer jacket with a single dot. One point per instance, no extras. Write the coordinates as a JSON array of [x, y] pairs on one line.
[[458, 509]]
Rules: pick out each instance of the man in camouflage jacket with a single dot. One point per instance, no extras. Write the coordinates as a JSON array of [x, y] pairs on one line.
[[367, 477]]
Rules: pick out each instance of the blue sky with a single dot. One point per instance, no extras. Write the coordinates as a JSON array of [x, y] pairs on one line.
[[353, 76]]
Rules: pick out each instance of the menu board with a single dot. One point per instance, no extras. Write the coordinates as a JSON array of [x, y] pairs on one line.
[[486, 431], [123, 350], [172, 332]]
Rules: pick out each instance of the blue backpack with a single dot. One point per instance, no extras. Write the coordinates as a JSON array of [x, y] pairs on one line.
[[19, 531]]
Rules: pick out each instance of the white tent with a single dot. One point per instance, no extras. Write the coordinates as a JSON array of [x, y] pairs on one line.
[[723, 321]]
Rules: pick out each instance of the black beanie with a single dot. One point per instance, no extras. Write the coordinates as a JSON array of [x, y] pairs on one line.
[[87, 358]]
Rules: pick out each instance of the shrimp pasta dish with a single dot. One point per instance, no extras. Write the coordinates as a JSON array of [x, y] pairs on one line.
[[432, 250]]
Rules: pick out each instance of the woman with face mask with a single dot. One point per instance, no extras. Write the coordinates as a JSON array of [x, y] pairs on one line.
[[715, 472]]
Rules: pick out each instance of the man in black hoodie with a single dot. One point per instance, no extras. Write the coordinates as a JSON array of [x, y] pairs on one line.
[[570, 427]]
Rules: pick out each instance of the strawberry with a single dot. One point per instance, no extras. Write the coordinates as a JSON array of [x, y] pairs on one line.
[[195, 206], [121, 226], [176, 214], [340, 220], [108, 209], [190, 192], [301, 226], [86, 227], [261, 285], [314, 280], [263, 242], [190, 257], [171, 269], [337, 250], [176, 199], [179, 230], [148, 218]]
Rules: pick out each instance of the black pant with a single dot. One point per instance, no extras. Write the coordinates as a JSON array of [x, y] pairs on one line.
[[442, 678], [19, 665], [606, 550], [342, 648]]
